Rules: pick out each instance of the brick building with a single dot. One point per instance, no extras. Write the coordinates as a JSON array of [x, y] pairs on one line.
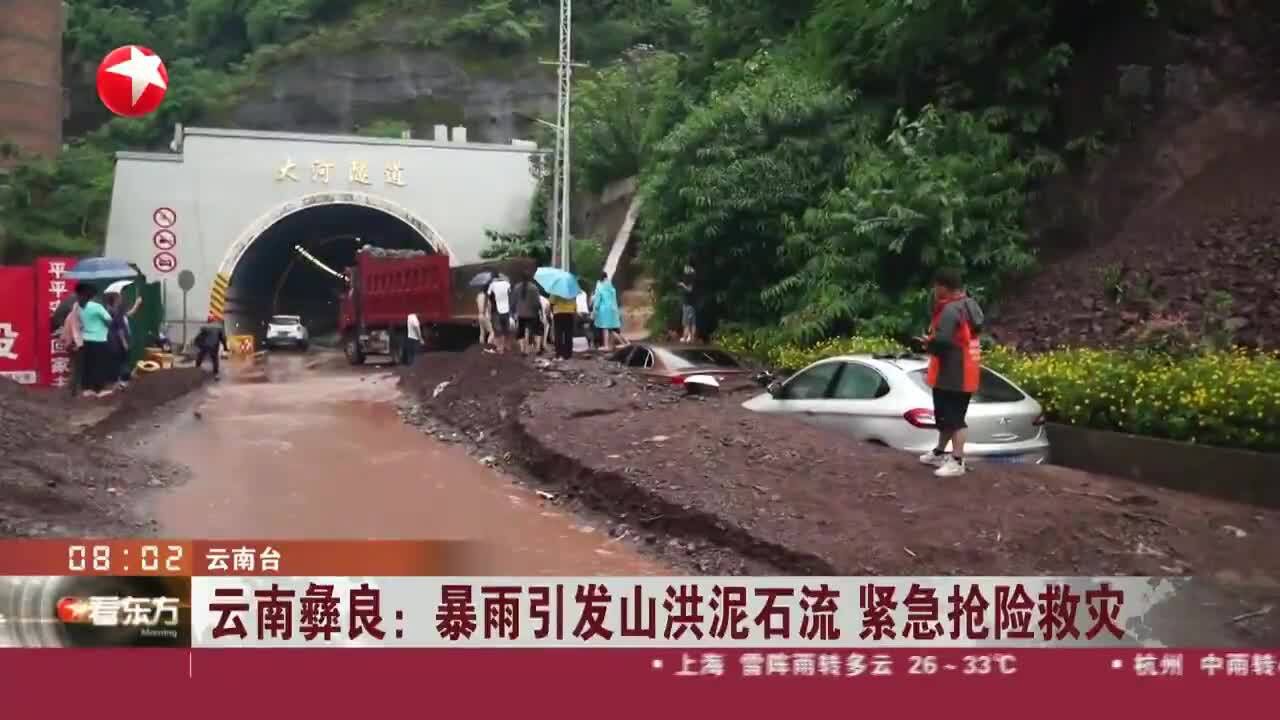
[[31, 95]]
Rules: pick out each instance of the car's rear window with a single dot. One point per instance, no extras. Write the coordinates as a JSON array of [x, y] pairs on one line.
[[689, 357], [284, 320], [991, 387]]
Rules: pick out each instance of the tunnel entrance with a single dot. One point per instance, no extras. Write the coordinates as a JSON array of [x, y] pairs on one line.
[[272, 278]]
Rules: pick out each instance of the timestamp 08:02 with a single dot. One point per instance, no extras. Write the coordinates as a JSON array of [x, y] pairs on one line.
[[1001, 664], [115, 558]]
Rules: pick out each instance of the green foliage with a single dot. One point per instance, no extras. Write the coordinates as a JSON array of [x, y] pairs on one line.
[[728, 182], [944, 189], [586, 258], [56, 207], [610, 123], [1228, 398], [495, 23], [384, 128]]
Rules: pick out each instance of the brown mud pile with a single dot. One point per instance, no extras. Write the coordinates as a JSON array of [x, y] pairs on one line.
[[1216, 238], [788, 498], [65, 466], [807, 500]]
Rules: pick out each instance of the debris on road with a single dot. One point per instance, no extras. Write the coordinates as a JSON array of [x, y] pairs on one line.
[[62, 472], [763, 494]]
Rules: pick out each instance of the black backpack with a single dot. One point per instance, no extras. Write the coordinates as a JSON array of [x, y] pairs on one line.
[[60, 314]]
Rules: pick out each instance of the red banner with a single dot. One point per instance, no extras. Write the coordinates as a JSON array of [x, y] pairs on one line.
[[17, 324], [950, 683], [52, 286]]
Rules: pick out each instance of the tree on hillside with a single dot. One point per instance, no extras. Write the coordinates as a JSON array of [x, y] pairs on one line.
[[726, 184]]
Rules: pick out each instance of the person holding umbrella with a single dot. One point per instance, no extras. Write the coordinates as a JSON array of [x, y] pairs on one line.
[[562, 288], [99, 367]]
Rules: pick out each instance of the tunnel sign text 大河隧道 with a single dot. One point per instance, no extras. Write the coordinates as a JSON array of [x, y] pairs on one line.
[[357, 172]]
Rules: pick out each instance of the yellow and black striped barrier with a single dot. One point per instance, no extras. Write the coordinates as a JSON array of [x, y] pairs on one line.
[[218, 297]]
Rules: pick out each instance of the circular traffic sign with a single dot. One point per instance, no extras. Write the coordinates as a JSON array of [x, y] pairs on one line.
[[164, 239], [132, 81], [164, 261], [186, 280], [164, 217]]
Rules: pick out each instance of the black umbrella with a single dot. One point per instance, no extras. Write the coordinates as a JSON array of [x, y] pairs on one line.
[[484, 278]]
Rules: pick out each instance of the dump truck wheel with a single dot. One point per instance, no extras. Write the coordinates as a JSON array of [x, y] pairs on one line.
[[354, 353]]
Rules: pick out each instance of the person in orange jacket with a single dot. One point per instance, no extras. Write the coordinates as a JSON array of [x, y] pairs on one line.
[[955, 364]]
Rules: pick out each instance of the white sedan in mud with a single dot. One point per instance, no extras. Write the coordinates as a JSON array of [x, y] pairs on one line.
[[884, 399]]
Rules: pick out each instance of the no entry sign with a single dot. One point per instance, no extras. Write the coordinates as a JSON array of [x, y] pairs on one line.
[[164, 217], [164, 261], [164, 239]]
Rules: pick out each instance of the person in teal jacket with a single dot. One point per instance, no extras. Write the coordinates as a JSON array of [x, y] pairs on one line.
[[608, 318], [99, 366]]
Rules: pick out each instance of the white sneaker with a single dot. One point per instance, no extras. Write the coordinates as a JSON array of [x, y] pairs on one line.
[[934, 459], [951, 468]]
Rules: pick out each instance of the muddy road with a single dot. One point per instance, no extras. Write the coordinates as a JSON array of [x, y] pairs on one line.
[[301, 446]]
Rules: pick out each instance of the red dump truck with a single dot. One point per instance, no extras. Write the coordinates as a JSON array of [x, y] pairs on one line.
[[383, 288]]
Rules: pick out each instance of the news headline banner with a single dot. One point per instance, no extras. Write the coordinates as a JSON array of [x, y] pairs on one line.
[[186, 558], [683, 612]]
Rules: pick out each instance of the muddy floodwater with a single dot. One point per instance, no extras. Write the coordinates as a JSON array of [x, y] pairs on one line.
[[300, 447]]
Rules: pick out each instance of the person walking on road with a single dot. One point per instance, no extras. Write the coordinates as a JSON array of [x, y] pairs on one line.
[[72, 337], [483, 317], [413, 339], [583, 322], [210, 342], [564, 311], [608, 317], [499, 298], [545, 325], [119, 337], [688, 302], [955, 359], [100, 366], [528, 309]]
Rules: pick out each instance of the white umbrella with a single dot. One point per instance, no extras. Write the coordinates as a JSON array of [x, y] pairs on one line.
[[117, 287]]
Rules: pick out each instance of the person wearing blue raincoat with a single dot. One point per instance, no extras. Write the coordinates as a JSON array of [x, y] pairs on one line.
[[608, 318]]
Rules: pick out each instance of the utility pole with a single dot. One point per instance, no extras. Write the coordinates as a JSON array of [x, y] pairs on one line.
[[561, 190]]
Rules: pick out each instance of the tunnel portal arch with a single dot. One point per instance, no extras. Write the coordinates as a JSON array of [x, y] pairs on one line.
[[242, 252], [236, 251]]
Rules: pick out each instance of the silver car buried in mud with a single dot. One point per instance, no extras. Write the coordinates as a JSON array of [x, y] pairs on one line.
[[884, 399]]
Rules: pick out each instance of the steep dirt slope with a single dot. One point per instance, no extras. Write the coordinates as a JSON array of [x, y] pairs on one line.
[[1177, 261]]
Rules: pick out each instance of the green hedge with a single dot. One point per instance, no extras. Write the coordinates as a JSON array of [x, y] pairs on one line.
[[1225, 398]]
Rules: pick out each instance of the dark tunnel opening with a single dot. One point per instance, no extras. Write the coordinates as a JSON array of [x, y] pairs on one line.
[[271, 278]]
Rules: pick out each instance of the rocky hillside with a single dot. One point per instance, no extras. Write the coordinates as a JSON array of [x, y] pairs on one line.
[[1176, 230]]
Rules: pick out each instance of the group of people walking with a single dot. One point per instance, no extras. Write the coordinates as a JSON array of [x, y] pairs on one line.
[[97, 337], [535, 319]]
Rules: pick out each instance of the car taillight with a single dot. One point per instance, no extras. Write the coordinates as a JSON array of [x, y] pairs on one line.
[[920, 418], [677, 379], [1040, 420]]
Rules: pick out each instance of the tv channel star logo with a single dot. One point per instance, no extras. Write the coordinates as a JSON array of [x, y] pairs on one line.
[[132, 81], [93, 611]]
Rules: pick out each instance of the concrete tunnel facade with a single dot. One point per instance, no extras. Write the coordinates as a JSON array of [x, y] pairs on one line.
[[229, 205]]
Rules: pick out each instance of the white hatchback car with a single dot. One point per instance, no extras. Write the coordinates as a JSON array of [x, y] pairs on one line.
[[884, 399], [286, 331]]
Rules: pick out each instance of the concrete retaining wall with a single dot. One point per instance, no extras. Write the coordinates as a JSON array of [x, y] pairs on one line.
[[1236, 475]]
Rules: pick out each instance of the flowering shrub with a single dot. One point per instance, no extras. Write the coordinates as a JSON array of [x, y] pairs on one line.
[[1229, 398]]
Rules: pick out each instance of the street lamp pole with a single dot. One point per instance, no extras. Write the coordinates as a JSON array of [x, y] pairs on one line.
[[561, 190]]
